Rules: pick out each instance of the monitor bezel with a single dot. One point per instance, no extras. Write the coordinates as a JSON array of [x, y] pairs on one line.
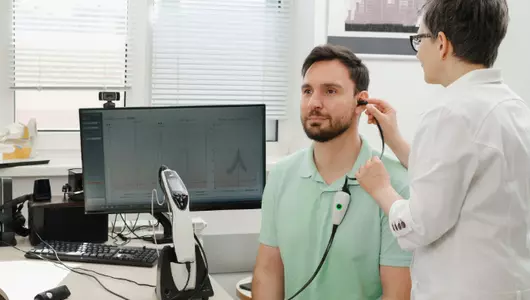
[[209, 206]]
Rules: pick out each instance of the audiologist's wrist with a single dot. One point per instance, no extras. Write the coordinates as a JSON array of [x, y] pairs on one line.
[[395, 141]]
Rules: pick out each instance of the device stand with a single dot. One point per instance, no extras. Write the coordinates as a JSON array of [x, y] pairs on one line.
[[167, 236], [165, 286]]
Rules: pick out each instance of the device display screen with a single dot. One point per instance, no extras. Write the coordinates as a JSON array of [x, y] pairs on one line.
[[174, 184]]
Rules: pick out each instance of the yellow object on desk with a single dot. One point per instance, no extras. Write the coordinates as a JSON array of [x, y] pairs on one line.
[[18, 141]]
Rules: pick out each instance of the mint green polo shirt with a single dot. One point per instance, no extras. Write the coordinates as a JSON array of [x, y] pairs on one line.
[[296, 217]]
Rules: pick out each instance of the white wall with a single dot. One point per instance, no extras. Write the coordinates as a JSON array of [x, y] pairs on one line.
[[514, 55], [401, 81]]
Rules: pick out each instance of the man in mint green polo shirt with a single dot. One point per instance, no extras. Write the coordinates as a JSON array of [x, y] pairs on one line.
[[364, 262]]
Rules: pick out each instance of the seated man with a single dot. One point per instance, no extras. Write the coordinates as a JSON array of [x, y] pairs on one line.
[[364, 262]]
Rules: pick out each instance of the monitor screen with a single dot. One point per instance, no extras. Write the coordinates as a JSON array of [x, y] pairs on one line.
[[218, 151]]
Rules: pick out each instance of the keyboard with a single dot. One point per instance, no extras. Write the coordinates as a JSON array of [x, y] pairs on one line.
[[96, 253]]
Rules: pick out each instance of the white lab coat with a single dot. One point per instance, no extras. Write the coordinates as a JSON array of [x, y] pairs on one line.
[[468, 217]]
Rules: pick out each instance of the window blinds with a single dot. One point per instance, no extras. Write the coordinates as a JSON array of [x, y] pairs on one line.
[[208, 52], [65, 44]]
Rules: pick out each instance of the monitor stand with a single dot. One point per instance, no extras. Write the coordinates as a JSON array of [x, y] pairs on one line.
[[167, 236]]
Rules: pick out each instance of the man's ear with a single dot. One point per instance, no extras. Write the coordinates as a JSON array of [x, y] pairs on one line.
[[361, 96]]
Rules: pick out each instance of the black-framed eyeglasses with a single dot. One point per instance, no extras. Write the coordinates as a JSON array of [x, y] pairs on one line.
[[415, 40]]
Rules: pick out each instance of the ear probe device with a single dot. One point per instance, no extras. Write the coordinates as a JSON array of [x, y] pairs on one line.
[[361, 102], [341, 201]]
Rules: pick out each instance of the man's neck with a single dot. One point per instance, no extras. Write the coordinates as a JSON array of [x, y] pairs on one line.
[[459, 69], [337, 157]]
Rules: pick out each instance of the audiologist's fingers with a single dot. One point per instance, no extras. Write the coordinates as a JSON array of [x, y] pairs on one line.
[[370, 117], [374, 111], [376, 101], [381, 105]]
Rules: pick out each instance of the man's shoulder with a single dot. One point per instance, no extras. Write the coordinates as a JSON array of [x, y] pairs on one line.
[[394, 166], [398, 173]]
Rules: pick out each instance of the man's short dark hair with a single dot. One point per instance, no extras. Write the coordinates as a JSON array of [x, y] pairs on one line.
[[475, 28], [358, 71]]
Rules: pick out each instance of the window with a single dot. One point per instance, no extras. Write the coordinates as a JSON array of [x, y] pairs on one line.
[[208, 52], [62, 54]]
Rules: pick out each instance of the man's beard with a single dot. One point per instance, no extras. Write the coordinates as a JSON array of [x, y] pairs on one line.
[[335, 129]]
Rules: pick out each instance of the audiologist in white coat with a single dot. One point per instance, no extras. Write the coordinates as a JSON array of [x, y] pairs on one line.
[[467, 220]]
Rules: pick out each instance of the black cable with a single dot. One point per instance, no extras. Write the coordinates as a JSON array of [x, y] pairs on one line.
[[364, 102], [115, 235], [345, 185], [121, 235], [188, 268], [134, 230], [127, 226], [135, 223], [88, 270], [382, 138], [116, 278], [345, 188], [332, 237], [205, 276]]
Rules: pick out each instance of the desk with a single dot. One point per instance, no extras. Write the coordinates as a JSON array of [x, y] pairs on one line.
[[83, 287]]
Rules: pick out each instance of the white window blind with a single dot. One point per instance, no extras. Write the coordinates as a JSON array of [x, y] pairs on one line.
[[64, 44], [208, 52]]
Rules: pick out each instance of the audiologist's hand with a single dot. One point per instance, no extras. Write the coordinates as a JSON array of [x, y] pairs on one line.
[[373, 176], [386, 115], [375, 180]]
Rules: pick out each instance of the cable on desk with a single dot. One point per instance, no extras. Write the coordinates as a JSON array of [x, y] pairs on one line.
[[124, 235], [88, 270], [114, 236], [116, 278], [127, 226], [60, 263]]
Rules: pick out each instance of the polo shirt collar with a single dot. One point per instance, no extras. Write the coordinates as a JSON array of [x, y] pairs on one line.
[[308, 168]]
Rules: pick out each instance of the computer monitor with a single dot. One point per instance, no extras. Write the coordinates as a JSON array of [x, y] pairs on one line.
[[219, 152]]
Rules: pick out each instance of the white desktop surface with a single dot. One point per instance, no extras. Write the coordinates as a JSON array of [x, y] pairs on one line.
[[84, 287]]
